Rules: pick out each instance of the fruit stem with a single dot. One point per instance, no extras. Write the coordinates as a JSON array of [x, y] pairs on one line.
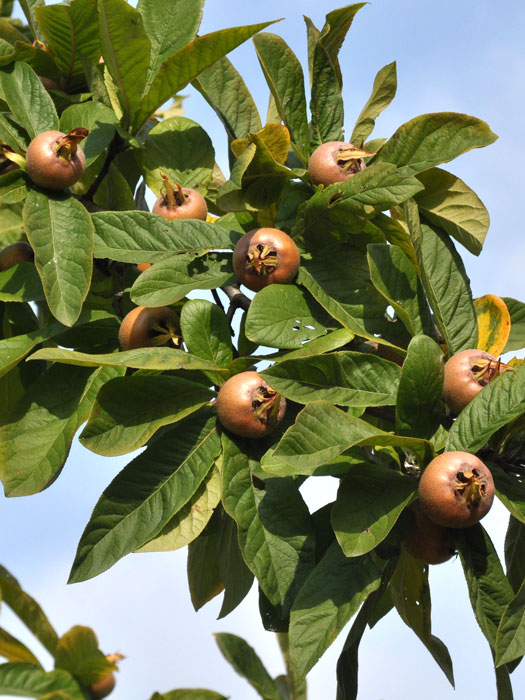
[[261, 259], [469, 488], [67, 145], [173, 195]]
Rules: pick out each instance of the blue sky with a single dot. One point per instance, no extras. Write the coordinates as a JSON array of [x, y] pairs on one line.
[[451, 56]]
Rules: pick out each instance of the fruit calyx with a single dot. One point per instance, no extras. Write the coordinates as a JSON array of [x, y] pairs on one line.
[[484, 370], [165, 332], [470, 488], [67, 145], [266, 404], [261, 259], [172, 195], [349, 158]]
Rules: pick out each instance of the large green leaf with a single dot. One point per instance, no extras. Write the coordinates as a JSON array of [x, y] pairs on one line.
[[12, 134], [128, 410], [206, 331], [28, 610], [411, 596], [336, 26], [418, 405], [383, 92], [515, 552], [14, 349], [126, 51], [276, 534], [78, 652], [510, 491], [23, 679], [450, 204], [285, 316], [137, 236], [95, 116], [21, 283], [502, 400], [204, 581], [516, 339], [168, 29], [60, 232], [71, 31], [369, 501], [431, 139], [36, 435], [344, 378], [27, 99], [146, 494], [510, 637], [284, 75], [330, 596], [183, 66], [13, 187], [248, 665]]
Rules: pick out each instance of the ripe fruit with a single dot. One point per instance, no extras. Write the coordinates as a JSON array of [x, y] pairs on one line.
[[265, 256], [48, 83], [248, 407], [466, 373], [335, 161], [427, 541], [143, 266], [180, 203], [456, 489], [145, 327], [102, 688], [53, 159], [14, 254]]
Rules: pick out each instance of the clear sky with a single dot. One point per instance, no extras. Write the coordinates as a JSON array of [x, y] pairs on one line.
[[451, 56]]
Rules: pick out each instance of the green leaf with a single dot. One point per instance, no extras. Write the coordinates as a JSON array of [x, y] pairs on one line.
[[30, 681], [335, 29], [60, 232], [188, 523], [248, 665], [324, 343], [285, 316], [395, 277], [126, 51], [136, 236], [146, 494], [183, 66], [14, 349], [516, 339], [172, 278], [489, 589], [99, 119], [326, 102], [36, 435], [27, 99], [510, 637], [128, 410], [21, 283], [418, 405], [28, 610], [369, 501], [71, 31], [411, 596], [344, 378], [502, 400], [180, 149], [12, 134], [13, 650], [169, 30], [509, 490], [204, 579], [431, 139], [383, 92], [330, 596], [285, 78], [515, 553], [276, 534], [13, 187], [225, 91], [450, 204], [189, 694], [78, 652], [206, 331]]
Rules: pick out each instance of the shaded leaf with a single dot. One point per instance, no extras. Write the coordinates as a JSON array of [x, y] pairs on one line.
[[78, 652], [515, 552], [516, 310], [21, 283], [510, 637]]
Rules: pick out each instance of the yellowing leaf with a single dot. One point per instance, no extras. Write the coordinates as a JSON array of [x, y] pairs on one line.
[[493, 323], [275, 137]]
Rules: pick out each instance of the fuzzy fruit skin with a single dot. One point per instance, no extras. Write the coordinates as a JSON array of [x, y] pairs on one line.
[[14, 254], [438, 494], [103, 688], [235, 410], [323, 166], [286, 251], [47, 169], [427, 541], [459, 384], [136, 325], [193, 207]]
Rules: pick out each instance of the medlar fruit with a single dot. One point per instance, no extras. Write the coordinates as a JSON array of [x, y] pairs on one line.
[[335, 161], [265, 256], [456, 489], [180, 203], [14, 254], [102, 688], [466, 373], [145, 327], [248, 407], [53, 159], [426, 540]]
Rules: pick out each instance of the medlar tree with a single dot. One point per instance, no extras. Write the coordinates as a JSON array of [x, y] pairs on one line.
[[376, 300]]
